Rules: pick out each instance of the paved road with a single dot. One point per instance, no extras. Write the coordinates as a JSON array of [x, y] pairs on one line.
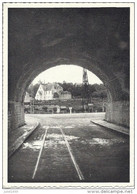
[[84, 152]]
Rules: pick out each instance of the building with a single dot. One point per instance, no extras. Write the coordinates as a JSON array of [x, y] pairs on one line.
[[48, 91], [51, 91], [65, 95]]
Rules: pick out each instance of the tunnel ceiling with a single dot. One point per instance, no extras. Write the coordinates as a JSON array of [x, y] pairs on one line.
[[96, 38]]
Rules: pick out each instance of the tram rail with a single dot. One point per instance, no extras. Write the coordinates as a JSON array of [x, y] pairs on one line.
[[75, 164]]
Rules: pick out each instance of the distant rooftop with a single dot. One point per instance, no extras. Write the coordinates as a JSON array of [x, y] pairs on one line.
[[50, 86]]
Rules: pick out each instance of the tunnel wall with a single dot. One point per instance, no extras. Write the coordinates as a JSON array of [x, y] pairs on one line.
[[118, 112], [96, 39], [15, 115]]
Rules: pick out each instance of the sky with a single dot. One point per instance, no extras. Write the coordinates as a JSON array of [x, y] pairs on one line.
[[67, 73]]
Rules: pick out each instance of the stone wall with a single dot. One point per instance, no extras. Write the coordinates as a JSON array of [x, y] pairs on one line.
[[118, 113], [15, 115], [50, 37]]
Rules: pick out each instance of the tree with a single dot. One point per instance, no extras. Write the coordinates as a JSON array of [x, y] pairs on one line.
[[77, 90], [32, 89], [35, 88], [55, 95], [100, 91]]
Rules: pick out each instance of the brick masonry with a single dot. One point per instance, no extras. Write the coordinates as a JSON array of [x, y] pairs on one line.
[[118, 113], [40, 45], [15, 115]]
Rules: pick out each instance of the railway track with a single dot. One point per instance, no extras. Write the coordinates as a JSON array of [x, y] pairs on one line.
[[64, 150], [75, 164]]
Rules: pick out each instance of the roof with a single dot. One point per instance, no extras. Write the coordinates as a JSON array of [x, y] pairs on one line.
[[50, 86], [65, 92]]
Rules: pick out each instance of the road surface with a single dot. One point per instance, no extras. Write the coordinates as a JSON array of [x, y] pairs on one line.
[[69, 148]]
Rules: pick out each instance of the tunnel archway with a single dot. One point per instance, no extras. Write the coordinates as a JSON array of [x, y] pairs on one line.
[[43, 38], [20, 96]]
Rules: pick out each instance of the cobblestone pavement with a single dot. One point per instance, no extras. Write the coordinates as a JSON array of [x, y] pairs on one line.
[[86, 150]]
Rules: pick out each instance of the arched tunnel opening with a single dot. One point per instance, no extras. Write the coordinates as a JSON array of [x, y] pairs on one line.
[[117, 105], [95, 39], [100, 47], [68, 144], [62, 89]]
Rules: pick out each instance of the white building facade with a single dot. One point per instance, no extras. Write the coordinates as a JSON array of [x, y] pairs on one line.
[[51, 91]]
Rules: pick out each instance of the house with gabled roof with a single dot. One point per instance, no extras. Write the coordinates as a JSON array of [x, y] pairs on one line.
[[51, 91]]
